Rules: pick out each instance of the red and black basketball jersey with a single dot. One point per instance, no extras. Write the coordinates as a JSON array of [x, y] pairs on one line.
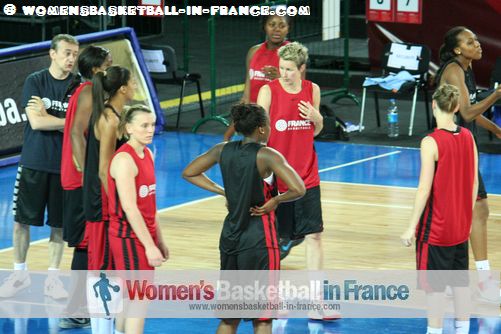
[[70, 177], [292, 135], [95, 200], [145, 195], [261, 58], [469, 80], [245, 188], [446, 219]]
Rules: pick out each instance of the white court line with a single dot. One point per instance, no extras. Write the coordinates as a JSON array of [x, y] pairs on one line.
[[367, 185], [368, 204], [359, 161], [392, 206], [169, 208], [320, 171], [386, 186], [31, 243], [3, 250]]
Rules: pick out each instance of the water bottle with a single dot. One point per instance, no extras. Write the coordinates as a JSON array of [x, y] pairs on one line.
[[392, 115]]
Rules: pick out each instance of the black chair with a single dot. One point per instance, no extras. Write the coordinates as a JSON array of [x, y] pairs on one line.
[[391, 64], [168, 74]]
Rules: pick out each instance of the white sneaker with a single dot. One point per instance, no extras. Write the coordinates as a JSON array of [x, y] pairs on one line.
[[14, 283], [54, 288]]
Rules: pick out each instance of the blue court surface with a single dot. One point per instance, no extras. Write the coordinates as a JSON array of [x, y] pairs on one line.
[[340, 162]]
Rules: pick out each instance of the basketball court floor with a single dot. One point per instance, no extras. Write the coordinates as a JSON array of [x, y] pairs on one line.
[[367, 195]]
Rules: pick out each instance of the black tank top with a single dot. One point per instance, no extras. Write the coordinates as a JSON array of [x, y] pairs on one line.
[[93, 193], [244, 188], [469, 80]]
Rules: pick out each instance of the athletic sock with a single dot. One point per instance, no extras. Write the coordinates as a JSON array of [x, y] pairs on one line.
[[462, 326], [20, 266], [483, 268], [483, 265], [431, 330], [105, 326], [94, 324]]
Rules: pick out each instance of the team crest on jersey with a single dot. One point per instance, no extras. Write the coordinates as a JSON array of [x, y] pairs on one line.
[[256, 75], [145, 190], [294, 125], [54, 105]]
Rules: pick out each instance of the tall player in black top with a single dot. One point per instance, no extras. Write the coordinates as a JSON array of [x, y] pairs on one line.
[[461, 47], [249, 236], [111, 91]]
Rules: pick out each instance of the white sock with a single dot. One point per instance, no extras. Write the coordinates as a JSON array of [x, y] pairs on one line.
[[94, 324], [53, 273], [483, 268], [105, 326], [118, 332], [462, 326], [20, 266], [431, 330], [483, 265]]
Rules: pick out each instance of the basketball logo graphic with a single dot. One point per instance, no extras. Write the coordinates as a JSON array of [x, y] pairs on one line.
[[47, 103], [143, 191], [104, 294], [281, 125]]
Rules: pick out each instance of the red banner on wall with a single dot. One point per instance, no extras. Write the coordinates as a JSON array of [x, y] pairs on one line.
[[380, 10], [409, 11], [401, 11]]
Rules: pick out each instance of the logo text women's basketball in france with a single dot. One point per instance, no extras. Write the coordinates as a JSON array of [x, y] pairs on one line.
[[292, 125]]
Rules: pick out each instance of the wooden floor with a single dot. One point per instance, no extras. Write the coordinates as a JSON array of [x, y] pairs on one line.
[[362, 227]]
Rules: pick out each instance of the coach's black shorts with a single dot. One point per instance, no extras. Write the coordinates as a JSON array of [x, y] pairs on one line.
[[73, 217], [482, 193], [433, 258], [33, 192], [252, 259], [305, 214]]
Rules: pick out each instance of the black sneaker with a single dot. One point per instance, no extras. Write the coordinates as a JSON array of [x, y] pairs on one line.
[[67, 323], [286, 246]]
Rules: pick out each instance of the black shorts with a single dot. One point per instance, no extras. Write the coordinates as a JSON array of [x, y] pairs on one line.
[[252, 259], [33, 192], [482, 193], [434, 260], [305, 214], [73, 217]]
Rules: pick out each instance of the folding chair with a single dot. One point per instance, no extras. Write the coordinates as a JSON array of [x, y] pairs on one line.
[[162, 66], [396, 57]]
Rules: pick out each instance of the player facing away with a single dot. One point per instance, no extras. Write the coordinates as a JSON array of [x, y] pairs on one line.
[[90, 61], [249, 236], [442, 216]]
